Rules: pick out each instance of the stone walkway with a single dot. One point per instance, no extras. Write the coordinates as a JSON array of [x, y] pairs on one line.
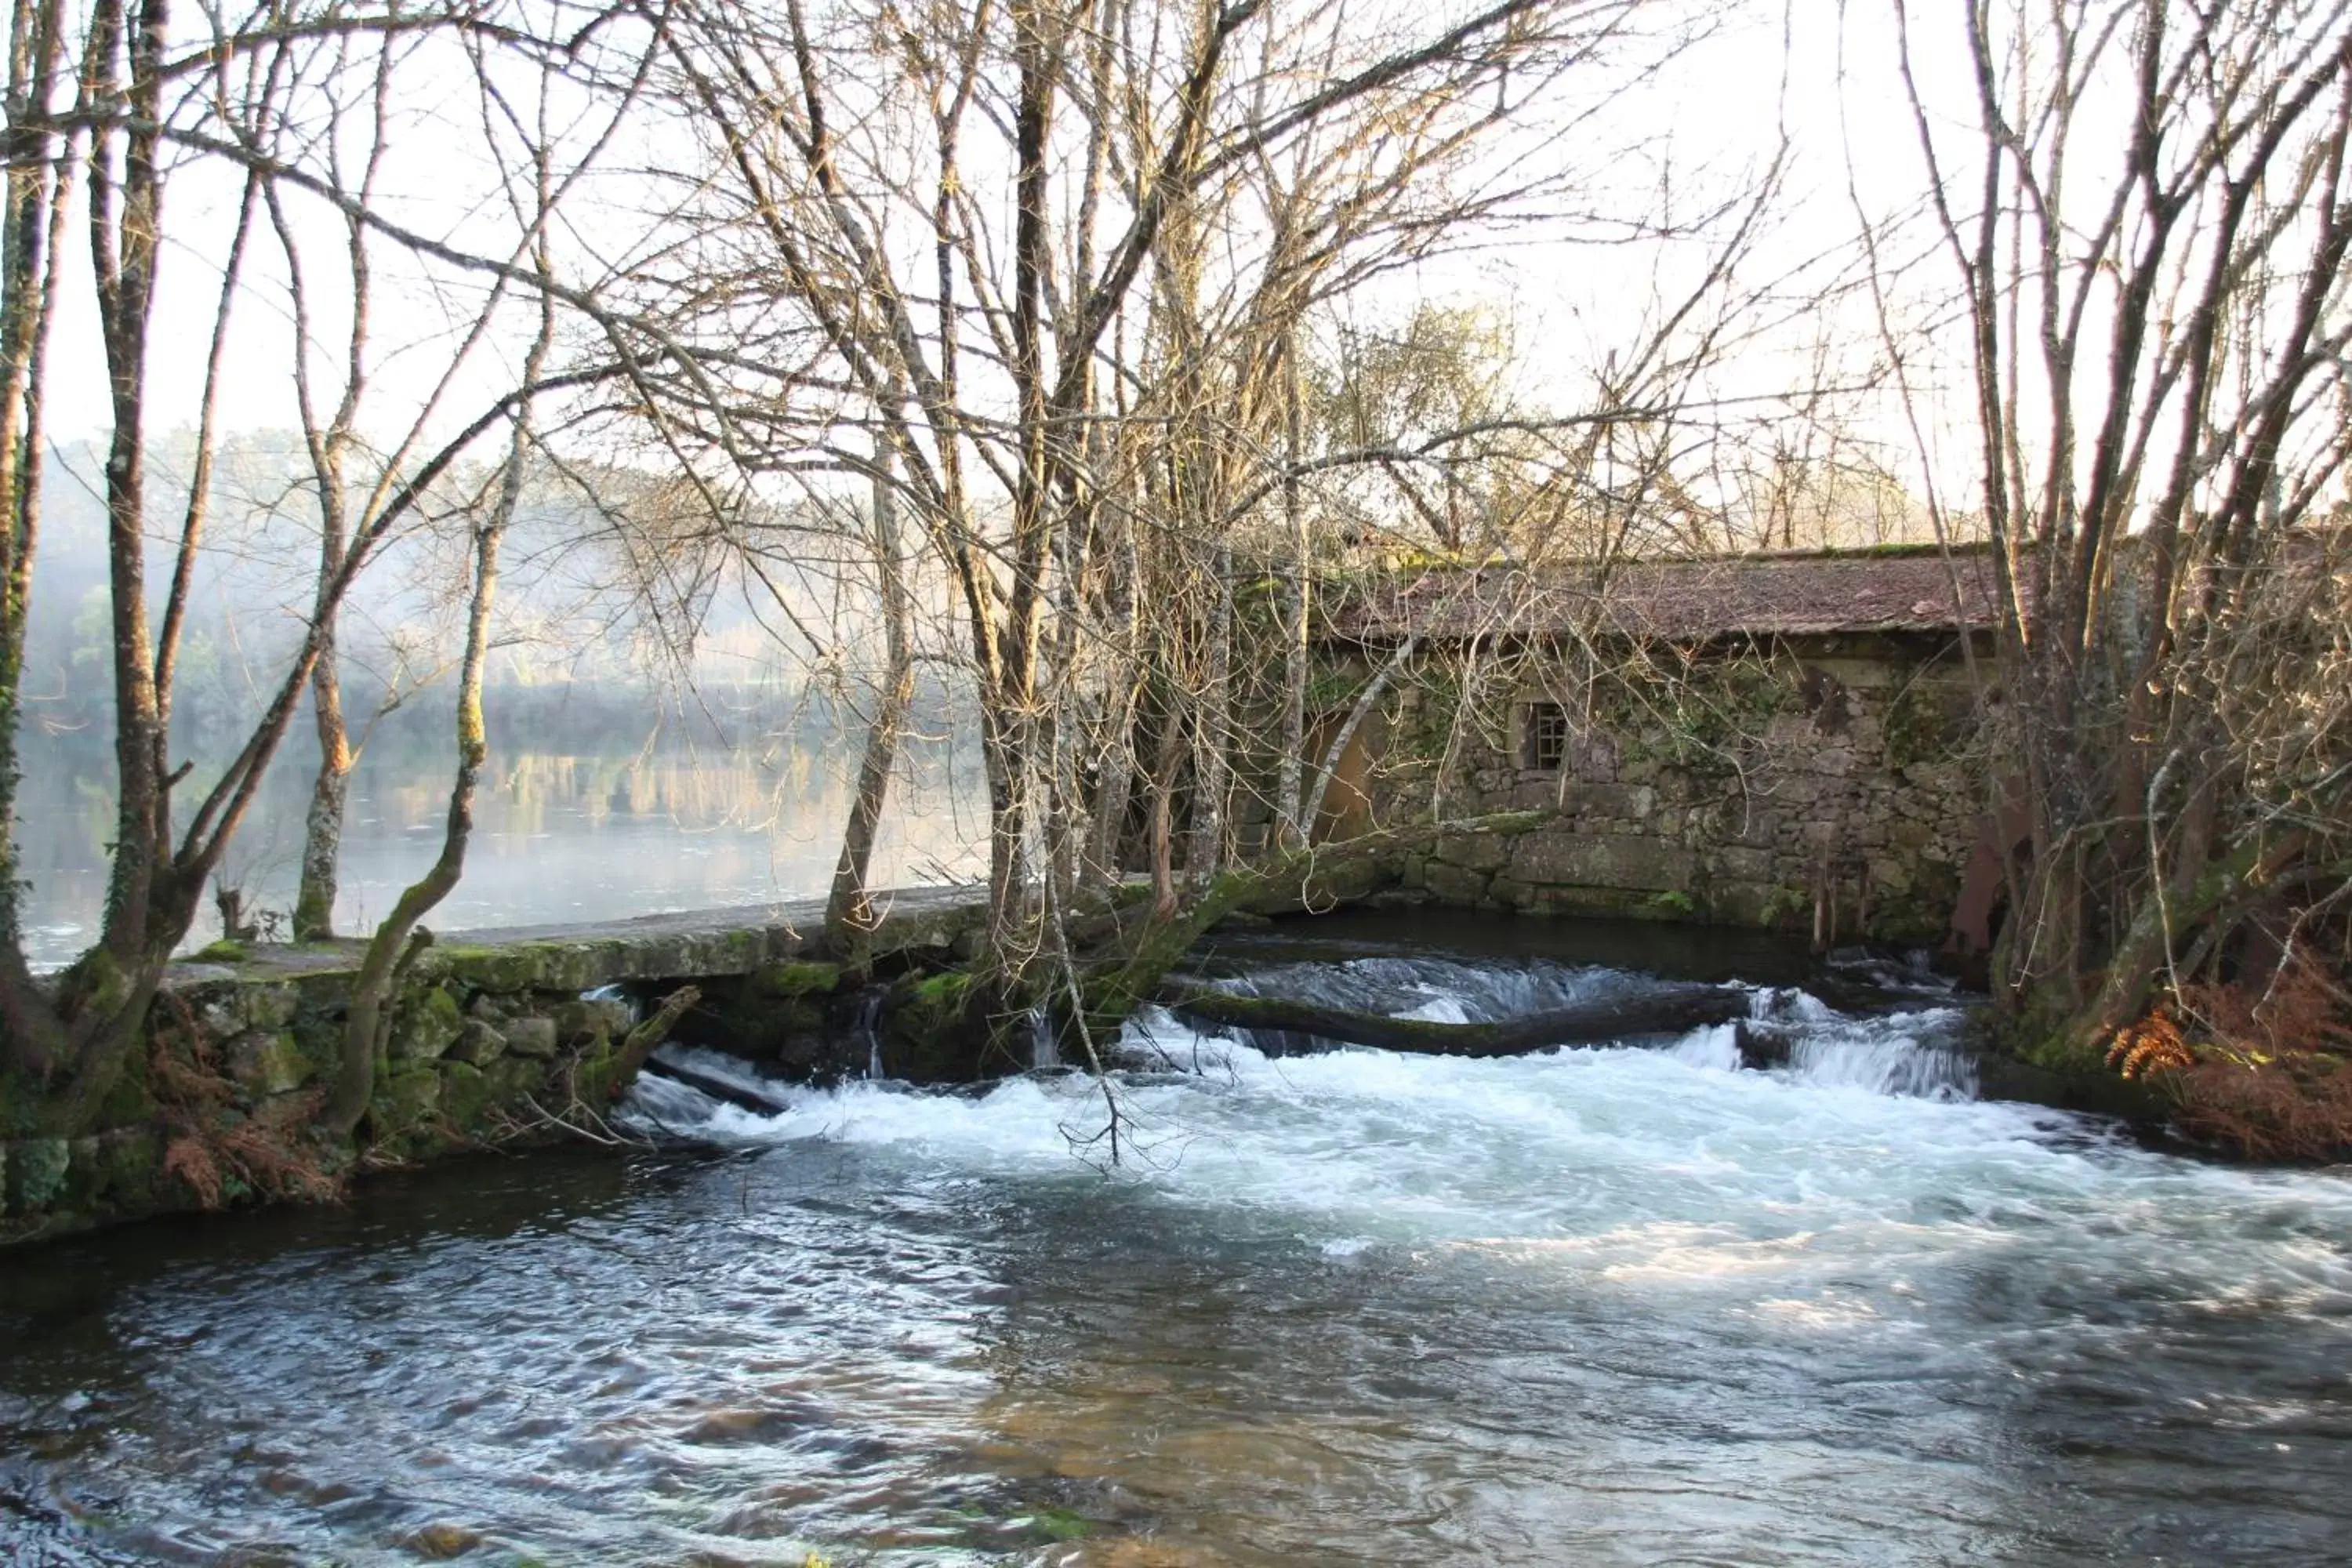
[[693, 943]]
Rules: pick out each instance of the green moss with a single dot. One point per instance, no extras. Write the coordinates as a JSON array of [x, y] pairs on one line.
[[87, 1176], [592, 1022], [1922, 725], [934, 1035], [593, 1072], [465, 1094], [95, 985], [1673, 903], [1698, 724], [1060, 1524], [20, 1105], [512, 1078], [128, 1100], [133, 1157], [945, 988], [807, 978], [429, 1021], [223, 951], [1783, 905], [1584, 899], [320, 1037], [273, 1064], [520, 967], [37, 1172], [406, 1100]]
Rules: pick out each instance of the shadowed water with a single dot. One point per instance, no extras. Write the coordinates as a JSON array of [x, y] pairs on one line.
[[1612, 1306]]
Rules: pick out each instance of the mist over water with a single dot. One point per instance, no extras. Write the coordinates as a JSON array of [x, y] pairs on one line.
[[1592, 1306]]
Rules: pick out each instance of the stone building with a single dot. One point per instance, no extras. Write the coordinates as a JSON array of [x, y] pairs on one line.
[[1802, 741]]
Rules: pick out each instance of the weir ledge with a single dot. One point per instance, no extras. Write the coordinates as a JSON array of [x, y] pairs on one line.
[[691, 944], [496, 1038]]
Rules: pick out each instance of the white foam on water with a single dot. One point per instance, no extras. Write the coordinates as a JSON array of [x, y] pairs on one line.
[[1830, 1182], [1899, 1054], [1715, 1046], [1438, 1008]]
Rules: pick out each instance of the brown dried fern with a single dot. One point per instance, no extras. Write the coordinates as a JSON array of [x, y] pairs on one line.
[[2152, 1044]]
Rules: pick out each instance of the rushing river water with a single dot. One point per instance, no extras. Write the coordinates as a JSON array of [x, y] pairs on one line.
[[1608, 1306]]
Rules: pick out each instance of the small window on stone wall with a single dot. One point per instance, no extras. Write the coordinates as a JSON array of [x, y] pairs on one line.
[[1544, 728]]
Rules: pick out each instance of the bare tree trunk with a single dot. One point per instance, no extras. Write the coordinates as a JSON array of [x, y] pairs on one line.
[[1212, 728], [125, 225], [323, 825], [1004, 736], [1116, 787], [31, 1040], [369, 1022], [1163, 811], [1115, 790], [73, 1038], [849, 910], [1365, 703], [1290, 828]]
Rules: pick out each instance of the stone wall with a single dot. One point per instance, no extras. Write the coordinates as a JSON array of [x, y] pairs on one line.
[[1832, 785], [218, 1110], [493, 1042]]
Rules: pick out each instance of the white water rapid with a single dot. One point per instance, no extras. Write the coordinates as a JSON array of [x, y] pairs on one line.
[[1614, 1306]]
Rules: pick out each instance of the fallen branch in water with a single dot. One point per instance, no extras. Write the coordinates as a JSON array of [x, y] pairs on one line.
[[578, 1119], [637, 1045], [717, 1088], [1672, 1012]]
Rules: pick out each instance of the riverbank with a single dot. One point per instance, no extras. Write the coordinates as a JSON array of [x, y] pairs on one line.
[[1604, 1306], [526, 1035], [498, 1039]]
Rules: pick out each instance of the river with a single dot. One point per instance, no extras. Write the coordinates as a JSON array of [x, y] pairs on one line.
[[629, 809], [1598, 1306]]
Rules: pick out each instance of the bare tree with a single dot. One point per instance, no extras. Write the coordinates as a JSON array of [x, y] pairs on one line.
[[849, 914], [369, 1023], [329, 440], [2145, 207], [1081, 398], [148, 99], [40, 171]]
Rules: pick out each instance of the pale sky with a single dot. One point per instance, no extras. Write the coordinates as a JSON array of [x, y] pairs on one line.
[[1715, 114]]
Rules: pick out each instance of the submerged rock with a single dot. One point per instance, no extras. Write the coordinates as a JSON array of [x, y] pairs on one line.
[[439, 1543]]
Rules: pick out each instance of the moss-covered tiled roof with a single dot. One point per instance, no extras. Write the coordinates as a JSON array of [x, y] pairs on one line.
[[1810, 595]]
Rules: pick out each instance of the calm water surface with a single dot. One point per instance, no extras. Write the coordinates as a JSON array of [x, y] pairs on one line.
[[582, 827], [1629, 1306]]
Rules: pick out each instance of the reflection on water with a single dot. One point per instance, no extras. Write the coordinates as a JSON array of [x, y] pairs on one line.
[[1591, 1307], [574, 823]]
